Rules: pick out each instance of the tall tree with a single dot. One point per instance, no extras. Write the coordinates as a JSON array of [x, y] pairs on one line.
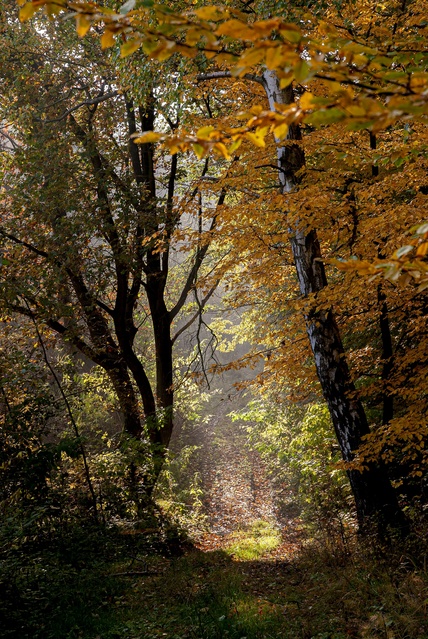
[[90, 222], [374, 496], [372, 489]]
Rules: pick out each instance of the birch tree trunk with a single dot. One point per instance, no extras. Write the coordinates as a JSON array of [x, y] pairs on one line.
[[374, 495]]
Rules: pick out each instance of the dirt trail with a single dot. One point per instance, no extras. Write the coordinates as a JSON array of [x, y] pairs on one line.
[[236, 486]]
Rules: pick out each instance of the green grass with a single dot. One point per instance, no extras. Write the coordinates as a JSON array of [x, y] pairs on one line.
[[314, 596], [255, 542], [200, 596], [86, 587]]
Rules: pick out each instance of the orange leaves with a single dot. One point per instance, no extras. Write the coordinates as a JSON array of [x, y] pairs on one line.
[[233, 27], [211, 13], [259, 30], [226, 141], [407, 434], [205, 140], [406, 265], [387, 84], [148, 137]]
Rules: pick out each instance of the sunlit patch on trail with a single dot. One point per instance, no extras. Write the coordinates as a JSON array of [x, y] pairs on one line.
[[254, 543]]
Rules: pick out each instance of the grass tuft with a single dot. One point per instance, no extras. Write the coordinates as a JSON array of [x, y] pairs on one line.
[[255, 542]]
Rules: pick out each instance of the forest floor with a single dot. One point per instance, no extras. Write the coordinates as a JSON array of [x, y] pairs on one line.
[[252, 572], [256, 573], [238, 493]]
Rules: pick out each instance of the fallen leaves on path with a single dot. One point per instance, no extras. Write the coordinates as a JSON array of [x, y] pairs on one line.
[[238, 491]]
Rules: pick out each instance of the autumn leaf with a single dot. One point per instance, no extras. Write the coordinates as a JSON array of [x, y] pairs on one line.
[[107, 39], [210, 13], [148, 137], [129, 47], [27, 11]]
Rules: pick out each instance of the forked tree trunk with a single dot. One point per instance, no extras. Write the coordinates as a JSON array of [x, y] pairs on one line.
[[375, 498]]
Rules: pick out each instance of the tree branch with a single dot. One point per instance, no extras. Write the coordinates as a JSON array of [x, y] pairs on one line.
[[62, 330], [27, 245], [201, 307], [216, 75], [70, 414], [57, 263], [191, 278], [10, 139], [200, 254], [110, 229], [92, 101]]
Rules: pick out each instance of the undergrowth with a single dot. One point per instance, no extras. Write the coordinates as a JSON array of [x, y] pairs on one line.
[[94, 584]]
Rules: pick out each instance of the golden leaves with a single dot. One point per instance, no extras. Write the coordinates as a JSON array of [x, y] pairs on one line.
[[210, 13], [233, 27], [404, 266], [28, 9], [148, 137], [367, 85], [381, 86], [82, 25], [108, 39], [256, 138], [130, 46], [204, 141], [306, 101]]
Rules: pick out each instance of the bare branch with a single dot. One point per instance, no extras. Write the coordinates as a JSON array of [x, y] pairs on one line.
[[9, 139], [201, 307], [92, 101], [191, 278], [216, 75]]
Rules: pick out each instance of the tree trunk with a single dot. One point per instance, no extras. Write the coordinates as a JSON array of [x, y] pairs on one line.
[[163, 348], [128, 403], [387, 358], [374, 496]]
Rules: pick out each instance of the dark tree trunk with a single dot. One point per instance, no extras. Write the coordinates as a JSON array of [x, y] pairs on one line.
[[374, 496], [387, 358], [128, 403], [162, 430]]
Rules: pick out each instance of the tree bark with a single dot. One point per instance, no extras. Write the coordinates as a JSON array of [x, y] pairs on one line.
[[128, 403], [375, 498], [164, 367], [387, 358]]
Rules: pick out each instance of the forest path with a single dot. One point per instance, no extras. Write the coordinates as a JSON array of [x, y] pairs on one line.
[[237, 488]]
